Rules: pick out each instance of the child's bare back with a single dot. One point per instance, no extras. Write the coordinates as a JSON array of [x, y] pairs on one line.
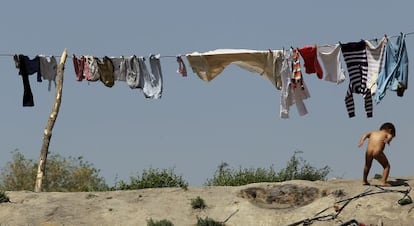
[[377, 141]]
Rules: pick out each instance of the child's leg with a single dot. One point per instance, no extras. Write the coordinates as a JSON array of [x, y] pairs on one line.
[[367, 167], [382, 159]]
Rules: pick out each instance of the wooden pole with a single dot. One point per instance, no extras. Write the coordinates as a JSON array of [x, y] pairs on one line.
[[47, 135]]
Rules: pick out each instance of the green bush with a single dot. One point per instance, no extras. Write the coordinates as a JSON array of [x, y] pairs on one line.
[[198, 203], [153, 178], [62, 174], [163, 222], [299, 169], [377, 176], [4, 197], [208, 222], [18, 174], [224, 176], [296, 169]]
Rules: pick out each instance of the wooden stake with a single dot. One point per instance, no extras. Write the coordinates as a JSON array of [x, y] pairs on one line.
[[47, 135]]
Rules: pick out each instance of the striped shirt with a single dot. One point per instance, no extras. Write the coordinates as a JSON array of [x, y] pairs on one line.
[[355, 57]]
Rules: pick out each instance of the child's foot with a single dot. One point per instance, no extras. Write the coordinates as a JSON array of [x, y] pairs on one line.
[[366, 183], [386, 184]]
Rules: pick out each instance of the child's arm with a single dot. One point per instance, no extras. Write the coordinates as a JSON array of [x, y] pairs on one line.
[[363, 137]]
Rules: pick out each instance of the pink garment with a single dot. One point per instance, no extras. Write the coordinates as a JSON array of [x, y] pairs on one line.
[[181, 67], [79, 64], [88, 69], [309, 55]]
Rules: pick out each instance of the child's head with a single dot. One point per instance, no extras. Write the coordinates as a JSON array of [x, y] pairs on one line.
[[389, 127]]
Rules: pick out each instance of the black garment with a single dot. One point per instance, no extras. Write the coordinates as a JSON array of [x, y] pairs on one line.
[[26, 68]]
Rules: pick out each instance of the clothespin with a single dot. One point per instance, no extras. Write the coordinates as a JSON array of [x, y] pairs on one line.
[[16, 61], [181, 66]]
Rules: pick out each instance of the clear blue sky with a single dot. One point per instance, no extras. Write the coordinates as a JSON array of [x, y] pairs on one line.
[[196, 125]]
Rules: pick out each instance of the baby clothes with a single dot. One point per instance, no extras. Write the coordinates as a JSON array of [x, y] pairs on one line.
[[91, 63], [291, 94], [133, 76], [356, 61], [48, 69], [375, 62], [119, 68], [138, 76], [210, 64], [309, 55], [27, 67], [106, 70], [153, 83], [181, 67], [296, 79], [79, 65], [330, 56], [394, 75]]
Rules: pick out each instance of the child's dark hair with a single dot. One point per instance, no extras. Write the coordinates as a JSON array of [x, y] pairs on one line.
[[388, 126]]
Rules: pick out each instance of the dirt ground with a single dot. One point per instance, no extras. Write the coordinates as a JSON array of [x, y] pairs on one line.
[[334, 202]]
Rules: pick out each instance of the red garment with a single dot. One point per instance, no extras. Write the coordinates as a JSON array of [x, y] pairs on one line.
[[310, 58]]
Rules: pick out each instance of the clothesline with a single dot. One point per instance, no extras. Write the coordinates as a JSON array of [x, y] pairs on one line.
[[10, 55], [282, 68], [171, 56]]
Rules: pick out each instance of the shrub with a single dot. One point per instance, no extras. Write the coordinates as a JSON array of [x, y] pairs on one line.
[[153, 178], [18, 174], [198, 203], [225, 176], [208, 222], [62, 174], [296, 168], [377, 176], [163, 222], [4, 197], [299, 169]]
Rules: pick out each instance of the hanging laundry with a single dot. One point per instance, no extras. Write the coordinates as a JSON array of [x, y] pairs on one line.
[[394, 75], [153, 82], [138, 76], [355, 57], [106, 71], [48, 69], [181, 67], [119, 68], [296, 79], [375, 55], [27, 67], [133, 76], [330, 57], [210, 64], [291, 94], [310, 57], [91, 63], [79, 66]]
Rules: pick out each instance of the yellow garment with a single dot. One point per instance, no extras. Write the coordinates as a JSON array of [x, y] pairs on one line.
[[210, 64]]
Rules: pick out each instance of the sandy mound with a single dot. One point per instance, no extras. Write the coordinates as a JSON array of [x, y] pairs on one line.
[[255, 204]]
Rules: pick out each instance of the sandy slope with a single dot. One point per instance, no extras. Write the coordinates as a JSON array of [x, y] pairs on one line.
[[260, 204]]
